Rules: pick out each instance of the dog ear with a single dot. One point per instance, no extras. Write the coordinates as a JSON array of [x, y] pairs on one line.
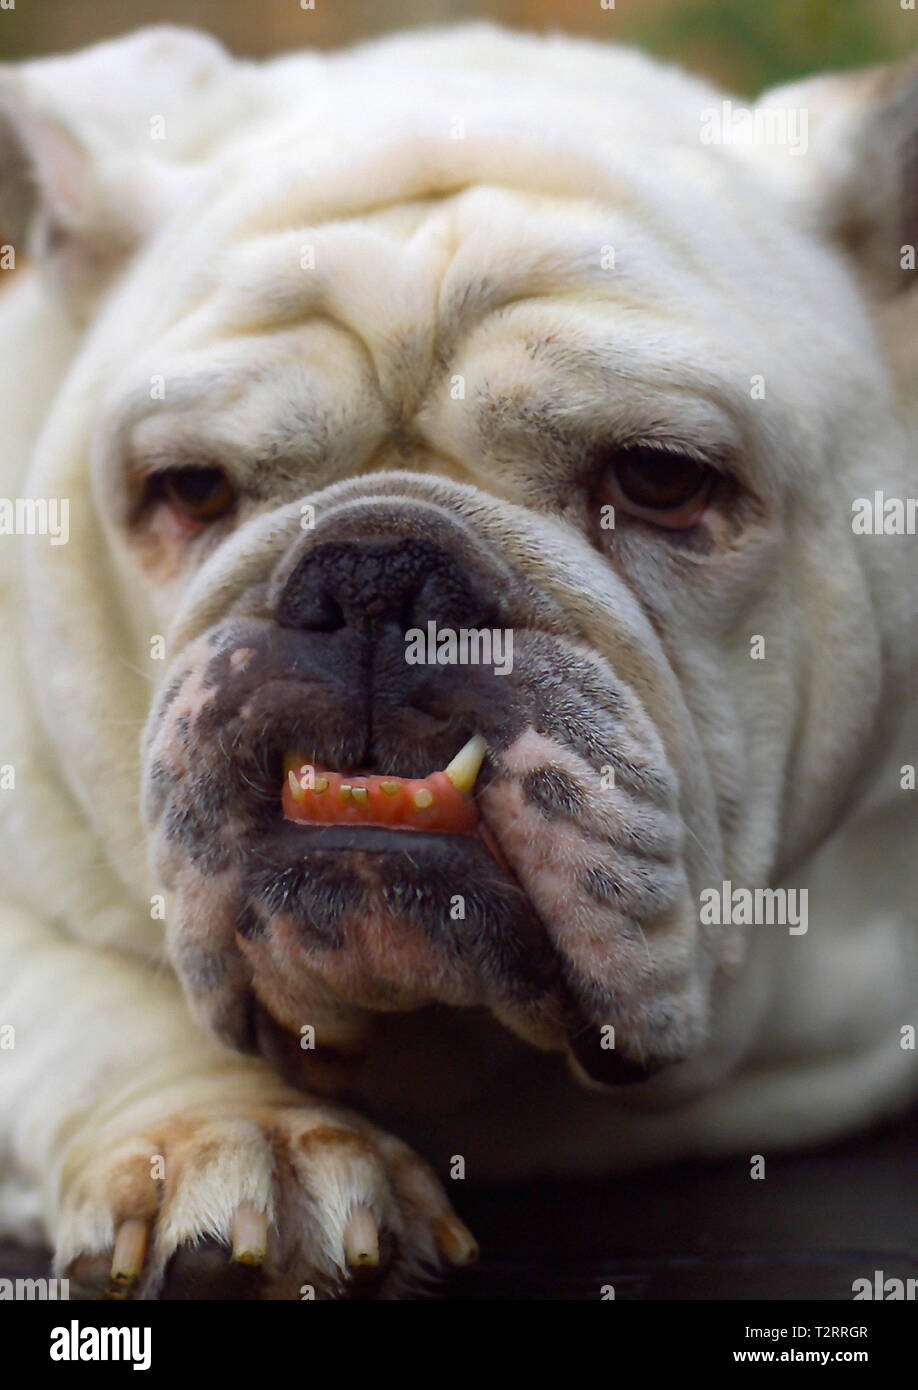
[[94, 147], [858, 176]]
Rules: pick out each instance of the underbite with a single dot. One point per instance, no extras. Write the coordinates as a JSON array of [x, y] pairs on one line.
[[443, 801]]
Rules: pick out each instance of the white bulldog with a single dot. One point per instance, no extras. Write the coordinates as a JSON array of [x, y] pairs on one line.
[[459, 335]]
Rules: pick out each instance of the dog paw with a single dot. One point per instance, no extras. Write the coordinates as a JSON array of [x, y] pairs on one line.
[[280, 1201]]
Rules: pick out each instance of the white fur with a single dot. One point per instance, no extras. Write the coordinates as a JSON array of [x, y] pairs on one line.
[[420, 234]]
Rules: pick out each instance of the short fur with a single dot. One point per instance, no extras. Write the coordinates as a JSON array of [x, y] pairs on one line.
[[452, 195]]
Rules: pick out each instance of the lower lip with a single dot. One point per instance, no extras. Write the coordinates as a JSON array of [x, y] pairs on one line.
[[381, 839], [373, 839]]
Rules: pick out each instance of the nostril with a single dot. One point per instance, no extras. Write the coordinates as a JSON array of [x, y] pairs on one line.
[[310, 604], [329, 615], [369, 584]]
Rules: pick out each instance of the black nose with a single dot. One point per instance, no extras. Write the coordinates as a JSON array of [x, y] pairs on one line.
[[368, 585]]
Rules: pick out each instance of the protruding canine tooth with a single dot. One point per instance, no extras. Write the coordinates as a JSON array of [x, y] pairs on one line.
[[463, 770], [344, 792], [296, 788], [360, 795], [390, 788], [423, 798]]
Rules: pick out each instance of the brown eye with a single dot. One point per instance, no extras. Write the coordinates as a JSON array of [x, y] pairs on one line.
[[658, 485], [197, 495]]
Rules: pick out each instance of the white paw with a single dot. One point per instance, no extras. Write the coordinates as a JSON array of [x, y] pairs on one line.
[[283, 1200]]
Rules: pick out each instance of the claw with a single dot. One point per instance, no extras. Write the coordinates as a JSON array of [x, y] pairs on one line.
[[455, 1241], [127, 1257], [249, 1234], [361, 1239]]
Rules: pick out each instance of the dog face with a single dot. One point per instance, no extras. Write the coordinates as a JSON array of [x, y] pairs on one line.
[[571, 379]]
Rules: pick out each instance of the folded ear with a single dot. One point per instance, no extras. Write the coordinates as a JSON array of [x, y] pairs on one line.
[[95, 146], [858, 175]]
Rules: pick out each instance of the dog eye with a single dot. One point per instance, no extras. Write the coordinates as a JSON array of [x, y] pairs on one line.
[[197, 495], [666, 488]]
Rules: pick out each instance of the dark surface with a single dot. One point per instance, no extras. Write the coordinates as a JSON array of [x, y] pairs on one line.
[[815, 1223]]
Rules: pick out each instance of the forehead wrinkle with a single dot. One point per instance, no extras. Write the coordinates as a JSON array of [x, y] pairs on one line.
[[262, 285], [557, 259], [365, 280], [403, 165], [532, 246], [372, 285], [439, 170]]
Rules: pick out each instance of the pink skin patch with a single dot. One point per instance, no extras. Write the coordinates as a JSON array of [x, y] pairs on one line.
[[201, 930], [624, 942], [191, 701], [386, 965]]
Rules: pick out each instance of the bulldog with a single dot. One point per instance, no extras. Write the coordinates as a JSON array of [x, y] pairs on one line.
[[459, 685]]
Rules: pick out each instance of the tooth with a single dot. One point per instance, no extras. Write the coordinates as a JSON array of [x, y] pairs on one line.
[[344, 792], [296, 790], [390, 788], [463, 769], [320, 784], [360, 795], [423, 798]]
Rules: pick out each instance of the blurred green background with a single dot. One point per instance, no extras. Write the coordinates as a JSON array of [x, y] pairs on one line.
[[743, 44]]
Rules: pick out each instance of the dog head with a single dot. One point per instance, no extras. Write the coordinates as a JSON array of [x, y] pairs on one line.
[[476, 442]]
